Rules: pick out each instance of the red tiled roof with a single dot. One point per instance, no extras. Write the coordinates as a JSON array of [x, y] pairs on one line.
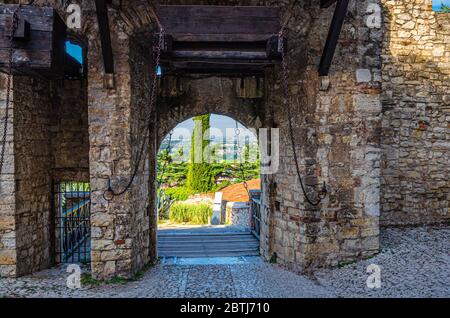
[[237, 192]]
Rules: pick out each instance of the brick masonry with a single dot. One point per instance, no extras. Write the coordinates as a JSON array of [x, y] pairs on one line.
[[378, 138]]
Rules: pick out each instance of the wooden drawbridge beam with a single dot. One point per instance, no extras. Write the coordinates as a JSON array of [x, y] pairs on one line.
[[333, 35], [105, 36]]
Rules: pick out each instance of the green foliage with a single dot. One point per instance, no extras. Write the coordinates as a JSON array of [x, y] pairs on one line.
[[163, 204], [445, 8], [174, 173], [88, 280], [178, 193], [190, 213], [200, 178]]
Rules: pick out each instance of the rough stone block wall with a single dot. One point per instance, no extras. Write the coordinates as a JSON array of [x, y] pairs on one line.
[[47, 140], [416, 114], [120, 228], [337, 139], [337, 134], [69, 131], [32, 174], [7, 190]]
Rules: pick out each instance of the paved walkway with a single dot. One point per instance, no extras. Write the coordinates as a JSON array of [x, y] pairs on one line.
[[206, 241], [414, 263]]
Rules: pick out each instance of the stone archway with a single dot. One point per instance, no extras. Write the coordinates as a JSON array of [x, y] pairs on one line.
[[197, 96], [335, 130]]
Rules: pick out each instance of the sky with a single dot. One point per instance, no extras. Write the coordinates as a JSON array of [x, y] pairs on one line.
[[219, 122], [437, 4], [74, 51]]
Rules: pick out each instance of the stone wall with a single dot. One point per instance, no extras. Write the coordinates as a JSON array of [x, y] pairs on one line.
[[336, 131], [32, 168], [239, 214], [47, 141], [69, 131], [7, 188], [336, 134], [416, 110]]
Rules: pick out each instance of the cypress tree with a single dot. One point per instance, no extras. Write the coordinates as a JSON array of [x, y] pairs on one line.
[[199, 178]]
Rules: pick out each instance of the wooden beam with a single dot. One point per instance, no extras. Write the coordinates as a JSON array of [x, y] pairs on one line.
[[39, 41], [219, 20], [326, 3], [333, 37], [105, 36]]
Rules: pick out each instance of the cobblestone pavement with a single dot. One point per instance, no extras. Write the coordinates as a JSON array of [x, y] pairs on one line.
[[414, 263]]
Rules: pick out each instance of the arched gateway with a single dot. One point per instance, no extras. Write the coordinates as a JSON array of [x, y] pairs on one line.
[[92, 130]]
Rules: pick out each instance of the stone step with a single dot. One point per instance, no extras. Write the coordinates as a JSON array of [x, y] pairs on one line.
[[202, 254], [207, 245], [208, 240]]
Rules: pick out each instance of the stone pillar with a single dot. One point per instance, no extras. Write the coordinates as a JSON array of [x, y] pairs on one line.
[[120, 227], [239, 214], [7, 197], [25, 193]]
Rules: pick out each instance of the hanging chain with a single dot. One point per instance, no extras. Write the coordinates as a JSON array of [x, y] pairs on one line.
[[237, 133], [169, 149], [323, 192], [14, 24], [109, 194]]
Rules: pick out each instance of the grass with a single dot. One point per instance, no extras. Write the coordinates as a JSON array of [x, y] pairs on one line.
[[88, 280], [190, 213]]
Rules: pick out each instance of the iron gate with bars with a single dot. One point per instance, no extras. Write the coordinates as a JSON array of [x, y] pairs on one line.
[[255, 206], [73, 213]]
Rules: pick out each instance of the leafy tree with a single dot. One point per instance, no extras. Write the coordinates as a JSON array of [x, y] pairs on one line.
[[445, 8], [199, 176]]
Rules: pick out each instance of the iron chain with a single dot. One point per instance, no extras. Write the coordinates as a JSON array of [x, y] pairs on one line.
[[109, 194], [322, 194], [14, 24], [237, 132]]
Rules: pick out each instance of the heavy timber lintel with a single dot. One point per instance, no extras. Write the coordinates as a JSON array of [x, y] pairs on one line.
[[333, 36], [105, 36], [326, 3]]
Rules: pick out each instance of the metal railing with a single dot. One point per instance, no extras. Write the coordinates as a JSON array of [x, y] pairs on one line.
[[255, 205], [73, 214]]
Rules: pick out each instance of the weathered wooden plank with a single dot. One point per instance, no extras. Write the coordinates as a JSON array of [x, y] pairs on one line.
[[199, 11], [219, 19], [326, 3], [44, 50], [39, 23], [221, 37], [41, 41], [105, 36], [333, 37], [220, 55], [37, 59]]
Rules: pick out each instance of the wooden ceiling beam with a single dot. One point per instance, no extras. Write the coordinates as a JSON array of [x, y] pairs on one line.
[[326, 3], [105, 36], [333, 37]]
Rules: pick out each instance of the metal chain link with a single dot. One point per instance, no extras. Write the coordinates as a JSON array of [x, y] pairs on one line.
[[237, 133], [322, 193], [109, 194], [169, 149], [14, 24]]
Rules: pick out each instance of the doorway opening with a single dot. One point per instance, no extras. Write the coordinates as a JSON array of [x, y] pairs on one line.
[[72, 209], [209, 187]]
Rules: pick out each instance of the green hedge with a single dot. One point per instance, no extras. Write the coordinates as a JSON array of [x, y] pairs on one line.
[[179, 193], [190, 213]]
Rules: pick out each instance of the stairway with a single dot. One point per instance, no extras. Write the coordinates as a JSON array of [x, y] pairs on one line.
[[233, 244]]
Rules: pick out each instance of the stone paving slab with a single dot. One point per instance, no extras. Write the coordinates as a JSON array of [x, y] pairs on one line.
[[414, 262]]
